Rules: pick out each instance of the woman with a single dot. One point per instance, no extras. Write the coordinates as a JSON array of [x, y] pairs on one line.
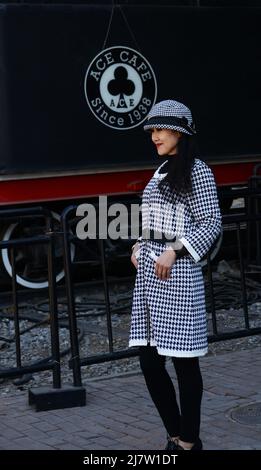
[[180, 221]]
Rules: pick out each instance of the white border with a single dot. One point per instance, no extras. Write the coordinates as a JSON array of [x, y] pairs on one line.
[[168, 352], [190, 249]]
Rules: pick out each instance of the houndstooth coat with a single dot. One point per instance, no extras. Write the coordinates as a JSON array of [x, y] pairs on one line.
[[171, 314]]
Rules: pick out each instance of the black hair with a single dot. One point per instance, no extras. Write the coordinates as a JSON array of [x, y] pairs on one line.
[[179, 166]]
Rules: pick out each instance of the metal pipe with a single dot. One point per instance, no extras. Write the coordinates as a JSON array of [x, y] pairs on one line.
[[19, 371], [234, 335], [106, 295], [15, 306], [70, 297], [39, 239], [54, 326], [25, 212], [242, 278], [212, 296]]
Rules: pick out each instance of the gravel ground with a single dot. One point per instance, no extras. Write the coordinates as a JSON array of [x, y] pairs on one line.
[[35, 341]]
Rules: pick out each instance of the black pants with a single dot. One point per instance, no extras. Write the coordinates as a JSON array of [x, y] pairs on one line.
[[183, 422]]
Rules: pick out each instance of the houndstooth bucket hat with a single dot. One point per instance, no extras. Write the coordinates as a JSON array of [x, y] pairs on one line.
[[170, 114]]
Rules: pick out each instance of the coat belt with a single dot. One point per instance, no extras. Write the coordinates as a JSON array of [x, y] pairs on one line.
[[156, 236]]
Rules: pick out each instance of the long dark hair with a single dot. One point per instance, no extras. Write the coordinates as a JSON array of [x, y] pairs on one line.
[[179, 166]]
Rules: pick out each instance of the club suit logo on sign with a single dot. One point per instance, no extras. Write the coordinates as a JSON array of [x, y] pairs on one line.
[[120, 87]]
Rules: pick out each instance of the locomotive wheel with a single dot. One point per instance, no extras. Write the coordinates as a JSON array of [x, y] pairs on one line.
[[31, 260]]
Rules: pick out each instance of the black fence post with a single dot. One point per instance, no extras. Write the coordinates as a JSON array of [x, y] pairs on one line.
[[106, 295], [15, 306], [54, 325], [212, 295], [75, 360]]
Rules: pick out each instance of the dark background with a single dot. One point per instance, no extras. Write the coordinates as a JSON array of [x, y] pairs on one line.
[[208, 58]]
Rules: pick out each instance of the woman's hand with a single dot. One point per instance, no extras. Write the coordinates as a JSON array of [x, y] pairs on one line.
[[164, 264], [133, 257]]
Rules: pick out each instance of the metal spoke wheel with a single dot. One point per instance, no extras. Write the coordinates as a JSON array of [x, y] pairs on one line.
[[31, 261]]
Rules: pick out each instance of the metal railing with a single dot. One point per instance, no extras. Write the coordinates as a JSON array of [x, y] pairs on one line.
[[58, 396], [47, 238], [76, 362], [237, 220], [64, 397]]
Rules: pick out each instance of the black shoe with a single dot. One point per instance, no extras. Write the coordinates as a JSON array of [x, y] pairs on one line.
[[196, 446], [171, 445]]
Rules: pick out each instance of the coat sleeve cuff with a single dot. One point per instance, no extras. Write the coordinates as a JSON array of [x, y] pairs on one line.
[[190, 248]]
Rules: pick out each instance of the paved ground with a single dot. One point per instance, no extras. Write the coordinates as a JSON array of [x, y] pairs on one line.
[[120, 415]]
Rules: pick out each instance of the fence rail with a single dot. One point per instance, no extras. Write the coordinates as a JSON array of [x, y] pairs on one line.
[[247, 222]]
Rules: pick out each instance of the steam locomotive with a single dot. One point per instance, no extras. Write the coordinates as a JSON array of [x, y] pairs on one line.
[[77, 80]]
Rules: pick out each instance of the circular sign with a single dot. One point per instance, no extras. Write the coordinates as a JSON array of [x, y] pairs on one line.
[[120, 87]]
